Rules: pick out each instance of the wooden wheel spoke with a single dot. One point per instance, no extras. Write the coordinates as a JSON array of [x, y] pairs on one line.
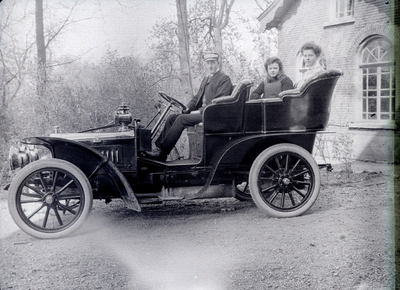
[[266, 178], [58, 216], [283, 199], [46, 217], [35, 189], [273, 171], [269, 188], [69, 196], [287, 163], [42, 181], [295, 166], [31, 200], [277, 162], [301, 173], [36, 211], [274, 195], [55, 176], [65, 186], [291, 198], [298, 191], [302, 182], [67, 208], [32, 195]]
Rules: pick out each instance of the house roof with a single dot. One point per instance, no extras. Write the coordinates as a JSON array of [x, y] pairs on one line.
[[272, 17]]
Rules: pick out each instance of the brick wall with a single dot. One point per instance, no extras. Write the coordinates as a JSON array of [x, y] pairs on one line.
[[309, 20], [306, 21]]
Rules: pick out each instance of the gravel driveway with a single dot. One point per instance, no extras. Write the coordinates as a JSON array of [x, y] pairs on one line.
[[344, 242]]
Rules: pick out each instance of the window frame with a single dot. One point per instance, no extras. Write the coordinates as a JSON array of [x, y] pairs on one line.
[[333, 13], [362, 90], [348, 13]]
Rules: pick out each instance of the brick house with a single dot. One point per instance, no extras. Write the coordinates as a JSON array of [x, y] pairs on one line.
[[357, 36]]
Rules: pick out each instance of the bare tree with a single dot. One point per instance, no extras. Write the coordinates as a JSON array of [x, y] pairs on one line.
[[44, 40], [41, 49], [184, 50], [219, 20], [12, 58]]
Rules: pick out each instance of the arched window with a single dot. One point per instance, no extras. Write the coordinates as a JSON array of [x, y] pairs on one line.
[[378, 80]]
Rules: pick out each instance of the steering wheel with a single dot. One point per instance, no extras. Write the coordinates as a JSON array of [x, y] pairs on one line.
[[173, 101]]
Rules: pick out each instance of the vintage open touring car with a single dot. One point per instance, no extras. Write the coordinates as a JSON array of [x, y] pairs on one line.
[[264, 145]]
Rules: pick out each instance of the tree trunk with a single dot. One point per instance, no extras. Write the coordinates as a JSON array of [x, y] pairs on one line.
[[218, 41], [220, 22], [184, 60], [41, 50]]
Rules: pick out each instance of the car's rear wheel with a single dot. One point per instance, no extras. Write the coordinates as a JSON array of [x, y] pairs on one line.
[[50, 198], [284, 180]]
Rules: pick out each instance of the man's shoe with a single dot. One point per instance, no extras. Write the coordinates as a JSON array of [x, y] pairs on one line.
[[157, 154]]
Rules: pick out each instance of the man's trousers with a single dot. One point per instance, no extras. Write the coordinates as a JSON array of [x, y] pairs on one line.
[[174, 126]]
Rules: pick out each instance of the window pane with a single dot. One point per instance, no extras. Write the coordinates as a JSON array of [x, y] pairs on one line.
[[372, 116], [365, 56], [372, 94], [341, 8], [393, 104], [386, 52], [364, 83], [364, 105], [372, 70], [373, 56], [385, 105], [385, 93], [385, 69], [385, 81], [372, 81], [385, 116], [383, 55], [371, 105], [350, 6]]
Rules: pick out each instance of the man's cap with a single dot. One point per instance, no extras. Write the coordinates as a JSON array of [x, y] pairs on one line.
[[211, 56]]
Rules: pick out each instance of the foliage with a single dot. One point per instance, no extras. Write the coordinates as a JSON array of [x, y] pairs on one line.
[[338, 147], [236, 60], [343, 150], [79, 95]]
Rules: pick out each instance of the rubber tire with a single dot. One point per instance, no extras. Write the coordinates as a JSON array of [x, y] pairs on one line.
[[257, 167], [42, 165], [242, 196]]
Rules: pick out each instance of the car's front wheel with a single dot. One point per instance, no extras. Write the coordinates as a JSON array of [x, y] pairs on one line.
[[50, 198], [284, 180]]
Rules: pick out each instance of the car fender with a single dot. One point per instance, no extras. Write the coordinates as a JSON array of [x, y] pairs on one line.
[[90, 161], [255, 144], [217, 159]]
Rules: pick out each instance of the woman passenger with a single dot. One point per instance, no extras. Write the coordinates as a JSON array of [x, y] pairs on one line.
[[311, 54], [275, 82]]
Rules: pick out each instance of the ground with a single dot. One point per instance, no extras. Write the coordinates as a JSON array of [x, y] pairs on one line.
[[345, 241]]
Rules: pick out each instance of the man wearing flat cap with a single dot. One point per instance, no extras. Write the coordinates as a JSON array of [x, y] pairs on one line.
[[215, 84]]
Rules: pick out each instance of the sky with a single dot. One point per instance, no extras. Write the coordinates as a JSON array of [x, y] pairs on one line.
[[127, 28], [122, 25]]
